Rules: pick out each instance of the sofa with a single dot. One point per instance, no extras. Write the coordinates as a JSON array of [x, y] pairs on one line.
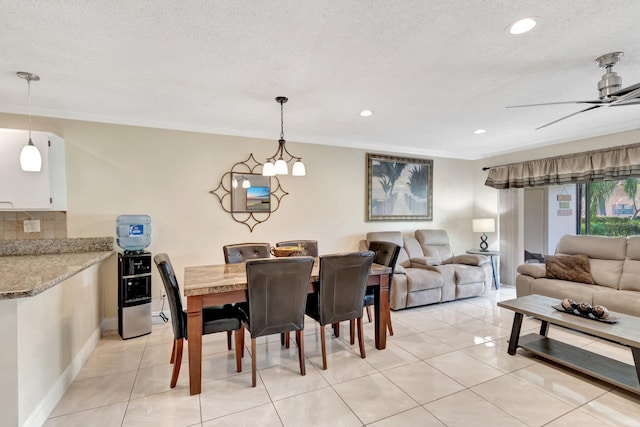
[[609, 277], [428, 272]]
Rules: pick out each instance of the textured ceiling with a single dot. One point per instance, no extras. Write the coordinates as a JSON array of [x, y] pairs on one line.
[[431, 71]]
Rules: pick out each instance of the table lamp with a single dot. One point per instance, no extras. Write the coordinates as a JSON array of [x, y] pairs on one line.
[[484, 225]]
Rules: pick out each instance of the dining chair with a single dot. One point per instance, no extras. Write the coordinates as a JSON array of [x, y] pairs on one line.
[[310, 246], [343, 281], [387, 255], [214, 319], [241, 252], [276, 297]]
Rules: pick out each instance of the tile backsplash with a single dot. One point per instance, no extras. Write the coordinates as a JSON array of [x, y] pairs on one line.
[[53, 225]]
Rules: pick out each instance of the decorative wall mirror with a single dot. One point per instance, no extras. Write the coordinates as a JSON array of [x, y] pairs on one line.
[[247, 195]]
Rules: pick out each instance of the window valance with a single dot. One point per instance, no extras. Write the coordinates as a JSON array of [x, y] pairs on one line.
[[607, 164]]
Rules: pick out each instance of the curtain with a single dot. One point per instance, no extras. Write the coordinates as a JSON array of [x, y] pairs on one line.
[[607, 164]]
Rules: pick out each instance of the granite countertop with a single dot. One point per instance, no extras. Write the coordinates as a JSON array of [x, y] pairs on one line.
[[28, 268]]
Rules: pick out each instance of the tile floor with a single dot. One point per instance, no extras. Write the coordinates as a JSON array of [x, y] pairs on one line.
[[446, 365]]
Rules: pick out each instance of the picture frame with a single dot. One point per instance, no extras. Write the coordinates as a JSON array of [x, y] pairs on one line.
[[399, 188]]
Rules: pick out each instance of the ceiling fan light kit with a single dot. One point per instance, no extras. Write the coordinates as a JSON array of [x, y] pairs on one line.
[[610, 91]]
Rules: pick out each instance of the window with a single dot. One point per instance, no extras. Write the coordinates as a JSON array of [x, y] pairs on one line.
[[609, 208]]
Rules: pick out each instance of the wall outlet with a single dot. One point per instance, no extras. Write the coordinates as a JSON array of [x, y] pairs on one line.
[[31, 225]]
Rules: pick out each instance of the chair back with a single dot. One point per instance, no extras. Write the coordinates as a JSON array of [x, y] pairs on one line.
[[178, 318], [386, 254], [309, 246], [343, 282], [242, 252], [277, 294]]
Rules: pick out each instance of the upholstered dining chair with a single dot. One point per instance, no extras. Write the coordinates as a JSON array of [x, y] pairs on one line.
[[276, 298], [387, 255], [241, 252], [310, 246], [343, 281], [214, 319]]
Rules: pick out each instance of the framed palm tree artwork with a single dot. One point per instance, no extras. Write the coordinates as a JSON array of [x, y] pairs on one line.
[[399, 188]]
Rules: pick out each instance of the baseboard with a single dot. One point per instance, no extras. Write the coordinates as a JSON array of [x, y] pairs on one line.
[[111, 323], [40, 414]]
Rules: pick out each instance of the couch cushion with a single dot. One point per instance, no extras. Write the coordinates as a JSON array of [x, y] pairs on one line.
[[627, 302], [596, 247], [419, 279], [574, 268], [560, 289], [630, 279], [534, 270], [466, 274], [435, 244]]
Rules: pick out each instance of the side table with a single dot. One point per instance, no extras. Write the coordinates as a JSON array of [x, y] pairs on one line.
[[491, 255]]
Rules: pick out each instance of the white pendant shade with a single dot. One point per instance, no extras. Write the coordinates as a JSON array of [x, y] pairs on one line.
[[268, 169], [30, 158], [281, 167], [298, 169], [246, 183]]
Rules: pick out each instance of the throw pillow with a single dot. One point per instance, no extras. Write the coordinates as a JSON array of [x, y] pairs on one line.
[[574, 268]]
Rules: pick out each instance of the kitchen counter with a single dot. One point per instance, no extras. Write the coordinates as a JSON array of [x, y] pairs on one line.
[[27, 268]]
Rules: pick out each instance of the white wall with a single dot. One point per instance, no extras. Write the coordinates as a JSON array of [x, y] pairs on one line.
[[113, 170]]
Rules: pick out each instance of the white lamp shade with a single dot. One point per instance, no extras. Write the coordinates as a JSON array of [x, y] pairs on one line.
[[30, 158], [281, 167], [298, 169], [246, 183], [484, 225], [268, 169]]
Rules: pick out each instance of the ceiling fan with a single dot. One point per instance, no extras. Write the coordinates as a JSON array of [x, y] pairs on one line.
[[610, 90]]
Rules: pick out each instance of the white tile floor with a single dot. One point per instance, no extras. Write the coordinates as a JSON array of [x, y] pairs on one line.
[[446, 365]]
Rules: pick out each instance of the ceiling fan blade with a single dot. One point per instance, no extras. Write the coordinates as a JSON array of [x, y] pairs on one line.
[[626, 90], [629, 98], [597, 102], [570, 115]]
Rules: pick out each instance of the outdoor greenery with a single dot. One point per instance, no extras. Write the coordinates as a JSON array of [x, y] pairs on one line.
[[600, 224], [613, 226]]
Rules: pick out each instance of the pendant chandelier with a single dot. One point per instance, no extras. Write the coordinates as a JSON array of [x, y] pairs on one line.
[[30, 158], [276, 164]]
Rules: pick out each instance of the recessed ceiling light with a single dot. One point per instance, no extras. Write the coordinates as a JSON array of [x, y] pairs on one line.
[[479, 131], [365, 113], [522, 26]]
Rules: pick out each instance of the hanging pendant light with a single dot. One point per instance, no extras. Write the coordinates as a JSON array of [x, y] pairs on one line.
[[277, 164], [30, 158]]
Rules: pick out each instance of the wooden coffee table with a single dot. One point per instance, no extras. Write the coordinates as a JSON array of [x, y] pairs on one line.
[[626, 332]]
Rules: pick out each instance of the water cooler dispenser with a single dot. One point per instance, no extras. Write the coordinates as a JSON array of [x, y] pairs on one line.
[[134, 276]]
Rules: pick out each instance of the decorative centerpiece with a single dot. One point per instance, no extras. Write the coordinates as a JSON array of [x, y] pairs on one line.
[[286, 251], [584, 309]]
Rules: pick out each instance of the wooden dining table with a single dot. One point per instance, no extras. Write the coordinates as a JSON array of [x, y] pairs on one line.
[[220, 284]]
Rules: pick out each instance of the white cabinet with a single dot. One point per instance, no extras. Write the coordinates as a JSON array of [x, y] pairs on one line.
[[23, 191]]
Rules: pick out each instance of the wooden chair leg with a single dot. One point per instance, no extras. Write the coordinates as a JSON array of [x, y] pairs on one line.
[[336, 330], [253, 362], [300, 339], [239, 348], [177, 362], [228, 340], [361, 338], [390, 327], [368, 307], [173, 352], [352, 331], [323, 345], [287, 340]]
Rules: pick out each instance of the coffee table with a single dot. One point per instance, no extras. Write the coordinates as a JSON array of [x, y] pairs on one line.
[[626, 332]]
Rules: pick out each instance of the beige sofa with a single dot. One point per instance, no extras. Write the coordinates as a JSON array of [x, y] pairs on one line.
[[427, 271], [614, 263]]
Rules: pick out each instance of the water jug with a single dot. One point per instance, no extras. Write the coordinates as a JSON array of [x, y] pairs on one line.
[[134, 232]]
